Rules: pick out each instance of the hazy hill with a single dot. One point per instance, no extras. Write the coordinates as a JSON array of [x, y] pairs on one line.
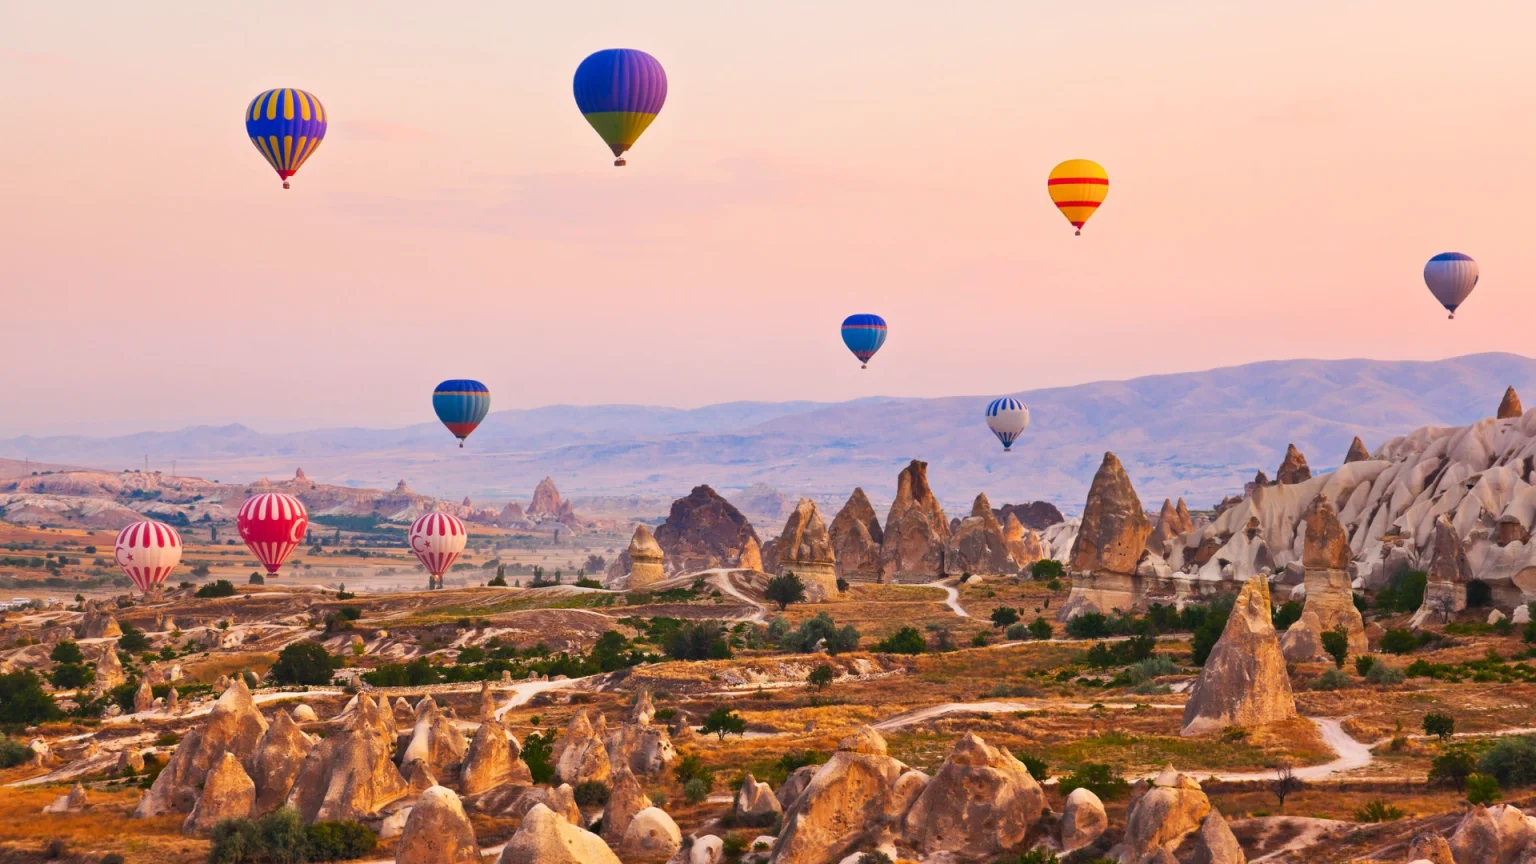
[[1196, 434]]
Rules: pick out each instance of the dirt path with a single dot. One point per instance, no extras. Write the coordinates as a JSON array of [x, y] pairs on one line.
[[721, 579], [952, 598]]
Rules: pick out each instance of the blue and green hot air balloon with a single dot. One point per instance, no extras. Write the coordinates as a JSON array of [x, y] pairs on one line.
[[620, 91], [864, 334], [461, 404]]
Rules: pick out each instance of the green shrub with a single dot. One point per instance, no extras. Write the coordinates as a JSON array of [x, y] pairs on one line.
[[980, 640], [1152, 667], [537, 748], [1479, 593], [304, 662], [66, 652], [23, 701], [1364, 664], [1089, 625], [705, 640], [1336, 644], [1331, 679], [907, 640], [592, 793], [1399, 641], [1286, 614], [722, 722], [281, 836], [1041, 629], [256, 579], [1377, 810], [1209, 631], [820, 629], [1381, 673], [1405, 593], [1442, 726], [133, 639], [1512, 760], [690, 768], [1046, 569], [1482, 789], [1452, 768], [218, 588], [1099, 779], [1004, 617], [69, 676], [1017, 632], [1037, 767], [696, 790], [785, 589], [12, 752]]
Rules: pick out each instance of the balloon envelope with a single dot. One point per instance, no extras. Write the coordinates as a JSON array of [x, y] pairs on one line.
[[272, 525], [620, 91], [864, 334], [147, 552], [437, 539], [461, 403], [1451, 276], [287, 126], [1078, 187], [1007, 418]]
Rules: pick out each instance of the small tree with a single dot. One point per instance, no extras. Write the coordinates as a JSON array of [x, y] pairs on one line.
[[133, 639], [1336, 643], [907, 640], [723, 721], [1046, 569], [1453, 767], [1284, 784], [1442, 726], [785, 589], [303, 662], [67, 652], [1482, 789], [820, 677], [1003, 616], [1041, 629]]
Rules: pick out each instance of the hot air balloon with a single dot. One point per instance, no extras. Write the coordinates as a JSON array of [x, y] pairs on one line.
[[1078, 187], [287, 126], [864, 334], [148, 552], [620, 91], [272, 525], [1007, 418], [437, 539], [461, 404], [1451, 276]]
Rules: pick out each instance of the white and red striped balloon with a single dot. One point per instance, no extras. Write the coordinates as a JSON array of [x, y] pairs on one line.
[[272, 525], [437, 539], [148, 552]]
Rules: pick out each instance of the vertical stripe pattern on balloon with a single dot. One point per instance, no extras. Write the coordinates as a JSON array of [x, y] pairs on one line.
[[437, 539], [1007, 418], [147, 552], [286, 126], [272, 525], [620, 91]]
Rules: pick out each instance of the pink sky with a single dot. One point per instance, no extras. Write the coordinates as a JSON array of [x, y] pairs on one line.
[[1279, 174]]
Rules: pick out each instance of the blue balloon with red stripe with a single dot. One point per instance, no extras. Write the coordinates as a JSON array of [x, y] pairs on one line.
[[620, 91], [864, 334], [461, 403]]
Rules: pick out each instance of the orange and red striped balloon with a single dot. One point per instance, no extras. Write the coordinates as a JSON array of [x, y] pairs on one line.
[[1078, 187]]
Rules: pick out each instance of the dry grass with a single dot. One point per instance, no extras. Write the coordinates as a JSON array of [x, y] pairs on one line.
[[103, 827]]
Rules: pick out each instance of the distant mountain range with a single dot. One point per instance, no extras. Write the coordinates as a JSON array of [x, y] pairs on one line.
[[1199, 435]]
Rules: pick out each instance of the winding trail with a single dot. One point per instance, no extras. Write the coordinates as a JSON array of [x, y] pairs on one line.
[[952, 597]]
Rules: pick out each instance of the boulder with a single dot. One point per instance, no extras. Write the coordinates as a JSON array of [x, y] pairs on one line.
[[546, 838], [109, 671], [277, 760], [1357, 451], [755, 804], [1476, 838], [805, 549], [856, 536], [857, 795], [418, 776], [708, 849], [646, 750], [129, 760], [1520, 615], [794, 785], [1445, 592], [1429, 845], [916, 530], [233, 726], [645, 559], [493, 760], [144, 697], [625, 799], [349, 775], [651, 836], [303, 713], [559, 799], [437, 831], [436, 741], [978, 545], [73, 802], [703, 531], [1509, 406], [1293, 468], [1244, 682], [1158, 821], [585, 757], [1083, 820], [1214, 843], [228, 793], [980, 802], [1330, 597]]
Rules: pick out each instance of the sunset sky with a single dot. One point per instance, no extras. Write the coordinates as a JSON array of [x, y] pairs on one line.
[[1279, 174]]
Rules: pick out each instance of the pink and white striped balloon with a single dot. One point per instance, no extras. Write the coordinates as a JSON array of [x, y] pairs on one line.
[[272, 525], [437, 539], [148, 552]]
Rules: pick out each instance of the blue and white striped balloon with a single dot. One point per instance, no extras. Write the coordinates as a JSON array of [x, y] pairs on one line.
[[1007, 418], [1451, 276]]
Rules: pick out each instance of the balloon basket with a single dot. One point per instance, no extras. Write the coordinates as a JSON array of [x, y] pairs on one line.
[[285, 184], [863, 365], [1077, 233], [619, 163]]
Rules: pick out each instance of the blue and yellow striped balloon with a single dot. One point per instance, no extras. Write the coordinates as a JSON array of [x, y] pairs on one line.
[[461, 403], [620, 91], [287, 126]]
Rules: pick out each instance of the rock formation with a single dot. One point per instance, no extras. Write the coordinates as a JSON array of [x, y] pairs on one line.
[[72, 802], [856, 536], [645, 749], [652, 836], [1357, 451], [227, 793], [978, 544], [1293, 469], [302, 713], [435, 740], [545, 506], [1171, 809], [1429, 845], [437, 831], [916, 530], [1212, 843], [1330, 599], [625, 799], [279, 756], [1445, 592], [585, 757], [1025, 545], [751, 556], [855, 796], [559, 799], [644, 710], [1083, 820], [1165, 530], [1036, 515], [545, 838], [805, 549], [493, 760], [703, 531], [1244, 682], [98, 623], [233, 725], [144, 697], [980, 802], [755, 804], [1111, 540], [350, 775], [1509, 406], [794, 785], [641, 563], [485, 703], [109, 671]]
